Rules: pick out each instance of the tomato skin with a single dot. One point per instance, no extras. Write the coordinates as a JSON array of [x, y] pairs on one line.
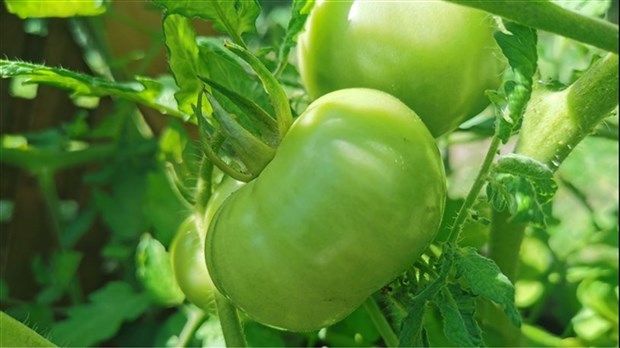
[[353, 196], [187, 250], [437, 57]]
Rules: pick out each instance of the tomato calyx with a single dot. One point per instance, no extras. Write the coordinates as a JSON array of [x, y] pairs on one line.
[[251, 147]]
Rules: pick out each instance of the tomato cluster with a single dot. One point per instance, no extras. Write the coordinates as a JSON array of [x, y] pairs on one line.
[[356, 190]]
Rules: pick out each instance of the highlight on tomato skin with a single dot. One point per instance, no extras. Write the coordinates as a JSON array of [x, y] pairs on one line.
[[438, 58], [352, 198]]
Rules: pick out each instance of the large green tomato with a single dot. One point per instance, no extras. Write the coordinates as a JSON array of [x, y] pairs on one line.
[[437, 57], [187, 250], [353, 196]]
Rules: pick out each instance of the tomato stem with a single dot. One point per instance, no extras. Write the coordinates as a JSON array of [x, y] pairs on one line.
[[195, 316], [477, 186], [229, 319], [381, 323], [546, 15], [555, 122], [203, 186]]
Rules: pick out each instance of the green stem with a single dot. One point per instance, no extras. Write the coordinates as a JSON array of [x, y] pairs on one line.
[[555, 122], [47, 185], [195, 316], [229, 27], [474, 191], [231, 327], [546, 15], [203, 186], [16, 334], [382, 325]]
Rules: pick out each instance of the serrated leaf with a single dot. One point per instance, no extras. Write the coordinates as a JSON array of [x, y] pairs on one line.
[[519, 46], [226, 69], [144, 91], [524, 186], [180, 40], [466, 303], [453, 325], [234, 17], [65, 8], [485, 279], [101, 317], [299, 13], [411, 329]]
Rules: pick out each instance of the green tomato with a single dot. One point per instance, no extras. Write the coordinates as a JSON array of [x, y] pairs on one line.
[[436, 57], [187, 250], [353, 196]]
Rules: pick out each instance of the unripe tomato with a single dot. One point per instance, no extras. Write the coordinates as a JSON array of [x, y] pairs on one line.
[[353, 196], [187, 250], [436, 57]]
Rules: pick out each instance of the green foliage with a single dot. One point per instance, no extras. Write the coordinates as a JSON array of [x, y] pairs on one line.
[[484, 278], [154, 270], [523, 186], [144, 90], [67, 8], [232, 17], [100, 318], [519, 47], [184, 61]]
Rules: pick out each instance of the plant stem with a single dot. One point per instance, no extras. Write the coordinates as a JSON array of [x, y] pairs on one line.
[[203, 186], [233, 333], [474, 191], [195, 316], [555, 122], [382, 325], [546, 15]]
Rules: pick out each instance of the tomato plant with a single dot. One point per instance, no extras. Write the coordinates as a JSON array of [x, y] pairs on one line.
[[295, 178], [437, 57], [354, 195]]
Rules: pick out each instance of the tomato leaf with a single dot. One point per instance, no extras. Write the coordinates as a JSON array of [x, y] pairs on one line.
[[184, 63], [411, 329], [154, 270], [101, 317], [524, 186], [233, 17], [299, 13], [143, 90], [457, 308], [486, 279], [519, 46]]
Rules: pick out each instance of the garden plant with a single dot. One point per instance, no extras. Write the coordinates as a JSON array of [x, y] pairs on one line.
[[310, 173]]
